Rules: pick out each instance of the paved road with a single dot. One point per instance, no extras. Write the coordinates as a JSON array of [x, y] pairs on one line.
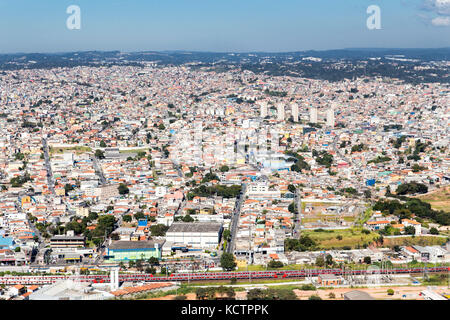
[[98, 169], [298, 224], [51, 181], [338, 150], [235, 219]]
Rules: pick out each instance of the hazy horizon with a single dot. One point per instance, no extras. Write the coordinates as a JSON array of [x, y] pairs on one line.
[[227, 52]]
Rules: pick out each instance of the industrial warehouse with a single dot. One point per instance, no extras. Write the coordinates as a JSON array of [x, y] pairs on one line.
[[133, 250], [195, 235]]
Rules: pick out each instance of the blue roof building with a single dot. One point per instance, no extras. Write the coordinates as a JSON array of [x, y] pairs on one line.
[[6, 243]]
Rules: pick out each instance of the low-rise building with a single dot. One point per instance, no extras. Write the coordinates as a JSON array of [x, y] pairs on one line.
[[195, 235], [133, 250], [329, 280]]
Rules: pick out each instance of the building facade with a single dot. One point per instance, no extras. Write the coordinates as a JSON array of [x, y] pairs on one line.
[[195, 235], [133, 250]]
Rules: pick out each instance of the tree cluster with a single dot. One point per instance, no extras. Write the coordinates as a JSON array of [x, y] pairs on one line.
[[271, 294], [305, 243], [412, 206], [411, 188], [218, 190]]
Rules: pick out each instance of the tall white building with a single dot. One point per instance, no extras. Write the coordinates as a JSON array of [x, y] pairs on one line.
[[280, 111], [294, 110], [263, 106], [330, 117], [313, 115]]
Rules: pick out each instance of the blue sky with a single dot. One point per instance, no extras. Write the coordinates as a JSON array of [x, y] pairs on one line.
[[212, 25]]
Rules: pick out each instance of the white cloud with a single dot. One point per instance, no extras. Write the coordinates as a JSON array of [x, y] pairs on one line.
[[441, 7], [439, 12], [441, 21]]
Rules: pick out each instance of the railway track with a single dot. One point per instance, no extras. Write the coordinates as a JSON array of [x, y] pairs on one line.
[[289, 274]]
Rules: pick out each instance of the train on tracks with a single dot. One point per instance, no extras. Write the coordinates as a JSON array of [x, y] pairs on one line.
[[210, 276]]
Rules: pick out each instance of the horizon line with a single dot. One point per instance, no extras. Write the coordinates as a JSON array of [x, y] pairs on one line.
[[227, 52]]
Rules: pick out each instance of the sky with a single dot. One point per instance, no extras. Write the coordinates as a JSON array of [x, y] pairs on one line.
[[221, 26]]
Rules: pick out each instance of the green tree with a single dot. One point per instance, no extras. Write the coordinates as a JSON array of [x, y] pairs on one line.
[[115, 236], [417, 168], [320, 261], [227, 261], [226, 234], [187, 218], [153, 261], [123, 189], [158, 230], [139, 215], [92, 216], [68, 187], [99, 154], [201, 293], [293, 208], [411, 188], [255, 294], [305, 243], [275, 264], [105, 224], [434, 231], [209, 177], [410, 230], [102, 144], [307, 287], [139, 264], [328, 260], [292, 188], [150, 270]]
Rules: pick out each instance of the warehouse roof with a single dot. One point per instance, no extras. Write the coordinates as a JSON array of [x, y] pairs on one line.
[[328, 276], [64, 237], [120, 244], [357, 295], [195, 227]]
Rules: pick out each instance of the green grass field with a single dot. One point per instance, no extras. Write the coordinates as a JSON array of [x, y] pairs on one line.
[[364, 217], [439, 200], [263, 268], [77, 150], [324, 217], [418, 240], [134, 150], [352, 237]]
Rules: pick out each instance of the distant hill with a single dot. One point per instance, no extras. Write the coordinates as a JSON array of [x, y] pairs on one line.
[[378, 62]]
